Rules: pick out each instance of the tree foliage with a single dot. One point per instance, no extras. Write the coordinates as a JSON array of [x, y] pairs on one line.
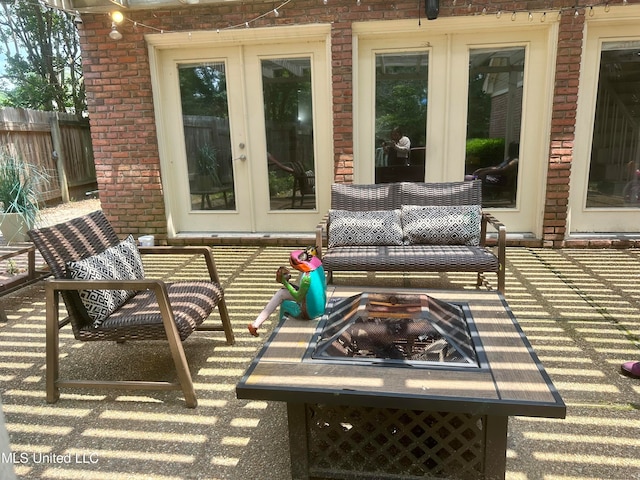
[[43, 68], [204, 90], [401, 96]]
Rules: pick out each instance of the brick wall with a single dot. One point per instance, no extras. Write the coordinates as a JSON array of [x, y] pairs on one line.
[[563, 122], [120, 103], [119, 98]]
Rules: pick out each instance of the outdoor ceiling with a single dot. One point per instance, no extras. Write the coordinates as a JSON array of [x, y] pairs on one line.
[[108, 5]]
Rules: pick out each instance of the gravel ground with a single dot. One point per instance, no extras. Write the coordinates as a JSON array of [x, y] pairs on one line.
[[67, 211], [580, 309]]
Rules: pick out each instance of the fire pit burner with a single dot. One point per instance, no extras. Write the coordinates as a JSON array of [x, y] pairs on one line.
[[416, 330]]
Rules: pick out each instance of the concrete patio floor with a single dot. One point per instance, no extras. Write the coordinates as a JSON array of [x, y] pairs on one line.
[[580, 310]]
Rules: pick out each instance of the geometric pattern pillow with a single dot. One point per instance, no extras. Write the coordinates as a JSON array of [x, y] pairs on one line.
[[377, 227], [441, 225], [120, 262]]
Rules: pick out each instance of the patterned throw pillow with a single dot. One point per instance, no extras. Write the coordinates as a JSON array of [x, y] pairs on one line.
[[441, 225], [377, 227], [120, 262]]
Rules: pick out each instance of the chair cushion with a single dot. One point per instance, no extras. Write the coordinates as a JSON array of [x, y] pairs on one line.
[[140, 318], [376, 227], [441, 225], [120, 262]]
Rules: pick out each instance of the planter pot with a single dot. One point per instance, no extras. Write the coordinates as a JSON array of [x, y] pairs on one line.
[[13, 227]]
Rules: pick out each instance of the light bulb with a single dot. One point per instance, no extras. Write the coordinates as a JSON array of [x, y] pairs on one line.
[[117, 16]]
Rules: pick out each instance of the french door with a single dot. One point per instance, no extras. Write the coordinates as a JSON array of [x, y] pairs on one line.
[[246, 133], [605, 174], [466, 100]]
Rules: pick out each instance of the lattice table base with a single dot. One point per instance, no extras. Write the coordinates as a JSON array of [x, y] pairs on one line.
[[335, 441]]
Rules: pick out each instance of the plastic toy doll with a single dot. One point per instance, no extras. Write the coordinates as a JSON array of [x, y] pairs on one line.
[[306, 301]]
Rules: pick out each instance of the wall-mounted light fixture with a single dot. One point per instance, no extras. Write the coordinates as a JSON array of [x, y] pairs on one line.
[[432, 8], [114, 34], [116, 17]]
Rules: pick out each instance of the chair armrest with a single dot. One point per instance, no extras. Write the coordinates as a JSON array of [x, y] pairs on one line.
[[322, 230], [69, 284], [186, 250], [488, 219], [159, 288]]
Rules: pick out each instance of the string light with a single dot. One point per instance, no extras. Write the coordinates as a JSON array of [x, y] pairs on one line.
[[588, 9], [247, 24], [117, 17]]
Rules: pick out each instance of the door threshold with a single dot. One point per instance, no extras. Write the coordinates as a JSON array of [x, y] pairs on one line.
[[244, 238]]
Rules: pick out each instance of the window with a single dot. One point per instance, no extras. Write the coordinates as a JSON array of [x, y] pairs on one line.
[[205, 119], [494, 115], [614, 171], [400, 116], [288, 116]]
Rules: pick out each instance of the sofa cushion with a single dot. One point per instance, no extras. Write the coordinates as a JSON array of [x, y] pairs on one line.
[[376, 227], [411, 258], [120, 262], [441, 225]]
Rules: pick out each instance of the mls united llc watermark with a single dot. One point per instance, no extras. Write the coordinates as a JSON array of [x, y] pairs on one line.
[[49, 458]]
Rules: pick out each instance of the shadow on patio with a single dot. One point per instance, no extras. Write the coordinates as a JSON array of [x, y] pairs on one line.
[[579, 308]]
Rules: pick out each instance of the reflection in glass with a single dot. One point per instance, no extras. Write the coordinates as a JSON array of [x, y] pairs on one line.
[[401, 105], [496, 79], [205, 119], [614, 173], [288, 112]]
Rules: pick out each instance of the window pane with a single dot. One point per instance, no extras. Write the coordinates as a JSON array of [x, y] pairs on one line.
[[496, 78], [205, 119], [401, 116], [288, 112], [614, 173]]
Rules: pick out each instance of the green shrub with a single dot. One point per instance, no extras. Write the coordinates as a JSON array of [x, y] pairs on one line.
[[483, 152], [280, 184]]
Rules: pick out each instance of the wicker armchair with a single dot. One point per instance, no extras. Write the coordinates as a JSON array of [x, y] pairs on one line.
[[155, 311]]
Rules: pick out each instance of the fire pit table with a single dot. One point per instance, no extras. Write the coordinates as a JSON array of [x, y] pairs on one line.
[[402, 384]]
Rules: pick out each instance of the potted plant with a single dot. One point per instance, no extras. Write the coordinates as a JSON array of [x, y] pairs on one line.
[[19, 205]]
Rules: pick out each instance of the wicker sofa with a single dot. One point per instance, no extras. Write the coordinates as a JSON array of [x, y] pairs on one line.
[[420, 227]]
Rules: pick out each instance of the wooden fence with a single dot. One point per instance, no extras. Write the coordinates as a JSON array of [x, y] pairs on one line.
[[59, 143]]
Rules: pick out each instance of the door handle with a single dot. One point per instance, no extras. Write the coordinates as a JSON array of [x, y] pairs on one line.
[[242, 157]]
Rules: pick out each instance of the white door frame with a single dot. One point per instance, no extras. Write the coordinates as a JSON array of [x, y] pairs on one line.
[[618, 24], [448, 42], [167, 51]]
